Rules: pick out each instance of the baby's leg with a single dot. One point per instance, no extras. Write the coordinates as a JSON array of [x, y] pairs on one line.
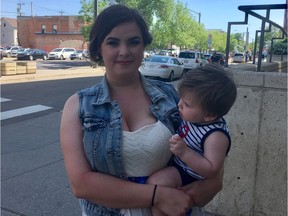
[[169, 177]]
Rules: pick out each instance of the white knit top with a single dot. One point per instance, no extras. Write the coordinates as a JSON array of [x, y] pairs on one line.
[[145, 151]]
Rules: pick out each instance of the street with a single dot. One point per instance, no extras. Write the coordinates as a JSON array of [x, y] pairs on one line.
[[33, 180]]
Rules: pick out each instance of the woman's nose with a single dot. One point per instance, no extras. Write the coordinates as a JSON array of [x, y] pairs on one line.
[[123, 50]]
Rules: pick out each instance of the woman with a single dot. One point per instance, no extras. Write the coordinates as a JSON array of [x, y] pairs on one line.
[[115, 134]]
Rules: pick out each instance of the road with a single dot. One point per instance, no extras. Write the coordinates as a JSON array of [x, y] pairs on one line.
[[33, 178]]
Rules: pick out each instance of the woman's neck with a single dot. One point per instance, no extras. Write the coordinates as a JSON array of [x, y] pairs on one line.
[[124, 85]]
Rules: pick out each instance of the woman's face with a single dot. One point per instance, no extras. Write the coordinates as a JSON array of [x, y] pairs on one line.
[[122, 50]]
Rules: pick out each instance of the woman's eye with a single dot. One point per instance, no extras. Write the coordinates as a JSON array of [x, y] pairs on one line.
[[112, 43], [134, 42]]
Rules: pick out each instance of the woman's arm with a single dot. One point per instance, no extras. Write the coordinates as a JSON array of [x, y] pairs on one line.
[[203, 191], [104, 189]]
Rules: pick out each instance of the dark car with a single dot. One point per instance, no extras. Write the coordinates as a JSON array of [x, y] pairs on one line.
[[32, 54], [79, 54], [221, 58]]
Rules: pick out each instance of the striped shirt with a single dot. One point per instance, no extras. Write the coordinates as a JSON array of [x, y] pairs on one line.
[[194, 136]]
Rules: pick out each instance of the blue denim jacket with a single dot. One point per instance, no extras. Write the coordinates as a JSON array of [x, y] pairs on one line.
[[102, 125]]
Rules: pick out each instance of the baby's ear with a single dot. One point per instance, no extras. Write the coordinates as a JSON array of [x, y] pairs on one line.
[[210, 117]]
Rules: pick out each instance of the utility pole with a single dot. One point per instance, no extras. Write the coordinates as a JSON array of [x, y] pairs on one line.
[[31, 9], [95, 9], [247, 39], [19, 8], [199, 15]]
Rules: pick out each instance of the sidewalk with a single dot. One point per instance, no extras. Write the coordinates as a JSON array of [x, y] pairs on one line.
[[87, 71], [52, 74]]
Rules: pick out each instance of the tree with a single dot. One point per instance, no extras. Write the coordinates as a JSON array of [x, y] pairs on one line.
[[86, 14]]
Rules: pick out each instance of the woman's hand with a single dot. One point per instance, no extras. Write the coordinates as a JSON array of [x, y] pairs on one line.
[[203, 191], [173, 202]]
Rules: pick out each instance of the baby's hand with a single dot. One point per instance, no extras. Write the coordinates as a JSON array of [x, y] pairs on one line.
[[176, 137], [177, 145]]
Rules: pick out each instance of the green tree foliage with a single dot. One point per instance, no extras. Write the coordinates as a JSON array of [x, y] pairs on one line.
[[218, 41], [86, 14], [171, 23]]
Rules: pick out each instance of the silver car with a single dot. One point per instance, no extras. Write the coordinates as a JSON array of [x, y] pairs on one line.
[[163, 67]]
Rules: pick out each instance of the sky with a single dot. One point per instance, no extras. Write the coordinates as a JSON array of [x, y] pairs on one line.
[[214, 14]]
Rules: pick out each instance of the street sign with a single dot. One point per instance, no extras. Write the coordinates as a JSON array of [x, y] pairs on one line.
[[210, 41]]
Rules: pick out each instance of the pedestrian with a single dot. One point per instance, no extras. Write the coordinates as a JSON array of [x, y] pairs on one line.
[[203, 141], [246, 56], [215, 58], [115, 133]]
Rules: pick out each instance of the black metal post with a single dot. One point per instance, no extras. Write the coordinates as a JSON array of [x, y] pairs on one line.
[[95, 9]]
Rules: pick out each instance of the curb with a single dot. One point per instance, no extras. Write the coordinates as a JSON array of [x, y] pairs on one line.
[[51, 74]]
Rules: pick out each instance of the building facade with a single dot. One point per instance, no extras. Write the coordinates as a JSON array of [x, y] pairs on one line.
[[8, 32], [49, 32]]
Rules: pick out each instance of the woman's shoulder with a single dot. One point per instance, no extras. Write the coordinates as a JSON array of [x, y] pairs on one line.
[[161, 85]]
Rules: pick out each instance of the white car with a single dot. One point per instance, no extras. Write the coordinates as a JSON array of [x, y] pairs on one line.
[[239, 57], [192, 59], [61, 53], [164, 67], [11, 51]]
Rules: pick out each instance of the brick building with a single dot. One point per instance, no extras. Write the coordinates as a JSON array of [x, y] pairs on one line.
[[49, 32]]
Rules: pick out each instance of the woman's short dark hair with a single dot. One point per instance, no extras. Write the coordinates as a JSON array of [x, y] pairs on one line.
[[109, 18], [213, 88]]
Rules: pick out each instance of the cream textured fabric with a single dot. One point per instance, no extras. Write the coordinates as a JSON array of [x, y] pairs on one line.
[[146, 150]]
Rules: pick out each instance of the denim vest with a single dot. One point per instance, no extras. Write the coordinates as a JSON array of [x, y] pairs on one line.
[[102, 125]]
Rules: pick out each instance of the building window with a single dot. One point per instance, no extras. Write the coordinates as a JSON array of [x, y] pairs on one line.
[[43, 29], [54, 29], [4, 24]]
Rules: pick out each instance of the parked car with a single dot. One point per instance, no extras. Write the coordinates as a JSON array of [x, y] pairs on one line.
[[79, 54], [148, 53], [32, 54], [238, 57], [164, 53], [11, 51], [208, 57], [221, 58], [61, 53], [192, 59], [164, 67]]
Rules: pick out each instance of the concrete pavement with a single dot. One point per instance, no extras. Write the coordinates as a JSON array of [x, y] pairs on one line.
[[48, 74], [52, 74], [33, 178]]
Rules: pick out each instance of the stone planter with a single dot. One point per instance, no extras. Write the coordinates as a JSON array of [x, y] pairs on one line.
[[8, 68]]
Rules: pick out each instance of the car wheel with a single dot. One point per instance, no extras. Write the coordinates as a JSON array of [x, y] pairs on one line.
[[171, 77], [31, 57], [44, 57]]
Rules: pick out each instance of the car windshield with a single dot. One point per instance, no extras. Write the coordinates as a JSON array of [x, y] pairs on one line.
[[30, 50], [158, 59], [187, 55], [238, 54], [57, 50], [79, 51]]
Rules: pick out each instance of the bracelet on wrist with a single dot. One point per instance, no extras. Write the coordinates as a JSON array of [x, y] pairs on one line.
[[153, 197]]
